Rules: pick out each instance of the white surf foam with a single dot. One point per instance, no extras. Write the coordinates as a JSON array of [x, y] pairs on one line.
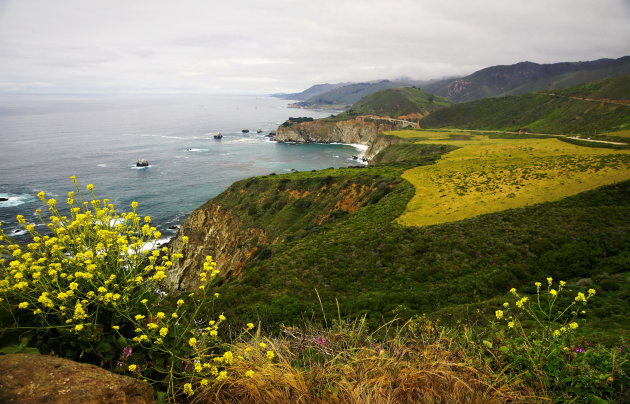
[[15, 199]]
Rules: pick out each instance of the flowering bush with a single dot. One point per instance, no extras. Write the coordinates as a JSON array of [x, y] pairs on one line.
[[535, 338], [90, 289]]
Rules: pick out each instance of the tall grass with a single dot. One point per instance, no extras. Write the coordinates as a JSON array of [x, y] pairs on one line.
[[416, 362]]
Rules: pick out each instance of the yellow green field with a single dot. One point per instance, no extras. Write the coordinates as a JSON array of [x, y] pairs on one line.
[[490, 175], [620, 133]]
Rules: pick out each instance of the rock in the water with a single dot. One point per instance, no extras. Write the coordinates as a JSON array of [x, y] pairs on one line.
[[142, 163], [4, 199], [31, 379]]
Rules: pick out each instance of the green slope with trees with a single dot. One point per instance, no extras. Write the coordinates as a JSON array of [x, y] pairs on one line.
[[549, 112]]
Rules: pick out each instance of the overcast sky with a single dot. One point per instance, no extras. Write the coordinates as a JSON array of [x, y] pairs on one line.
[[263, 46]]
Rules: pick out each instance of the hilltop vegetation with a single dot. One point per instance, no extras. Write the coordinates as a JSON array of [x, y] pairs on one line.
[[398, 101], [543, 112]]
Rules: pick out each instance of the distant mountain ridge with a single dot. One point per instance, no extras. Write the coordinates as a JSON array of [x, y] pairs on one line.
[[527, 77], [500, 80]]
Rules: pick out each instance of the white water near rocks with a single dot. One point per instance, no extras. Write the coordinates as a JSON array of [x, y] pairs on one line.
[[46, 139]]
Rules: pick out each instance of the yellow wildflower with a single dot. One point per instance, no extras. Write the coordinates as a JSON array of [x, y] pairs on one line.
[[573, 325], [23, 305], [192, 342], [553, 292], [188, 390], [249, 373], [132, 368], [499, 314], [510, 324], [163, 331], [270, 354]]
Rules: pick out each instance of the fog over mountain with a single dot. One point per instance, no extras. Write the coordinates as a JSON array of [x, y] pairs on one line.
[[283, 46]]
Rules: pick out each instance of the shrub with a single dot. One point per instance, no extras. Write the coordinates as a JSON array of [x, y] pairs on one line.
[[90, 289], [536, 339]]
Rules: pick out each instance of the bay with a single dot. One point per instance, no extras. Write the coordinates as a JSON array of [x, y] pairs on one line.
[[46, 139]]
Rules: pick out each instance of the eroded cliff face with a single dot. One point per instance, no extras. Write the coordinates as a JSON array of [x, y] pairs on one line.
[[361, 130], [213, 231]]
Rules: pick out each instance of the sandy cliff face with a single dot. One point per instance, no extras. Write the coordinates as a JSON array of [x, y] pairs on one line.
[[213, 231], [359, 131]]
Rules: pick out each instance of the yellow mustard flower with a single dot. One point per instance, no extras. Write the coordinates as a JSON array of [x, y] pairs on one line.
[[249, 373], [132, 368], [188, 390]]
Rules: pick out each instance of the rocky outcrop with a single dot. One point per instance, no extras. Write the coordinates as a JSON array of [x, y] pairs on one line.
[[31, 379], [381, 142], [213, 231], [360, 130]]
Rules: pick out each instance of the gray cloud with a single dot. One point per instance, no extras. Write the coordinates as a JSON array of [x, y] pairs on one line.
[[284, 45]]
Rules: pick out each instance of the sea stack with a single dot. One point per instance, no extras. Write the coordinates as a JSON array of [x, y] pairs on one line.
[[142, 163]]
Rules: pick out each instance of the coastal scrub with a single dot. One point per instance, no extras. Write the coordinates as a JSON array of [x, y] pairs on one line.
[[88, 287]]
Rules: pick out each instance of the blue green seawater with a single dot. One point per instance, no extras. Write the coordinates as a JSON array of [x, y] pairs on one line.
[[46, 139]]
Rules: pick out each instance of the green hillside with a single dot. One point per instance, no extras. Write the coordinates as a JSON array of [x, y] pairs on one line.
[[361, 258], [399, 101], [550, 112]]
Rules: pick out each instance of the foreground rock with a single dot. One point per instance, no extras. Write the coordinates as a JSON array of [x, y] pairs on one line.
[[30, 379]]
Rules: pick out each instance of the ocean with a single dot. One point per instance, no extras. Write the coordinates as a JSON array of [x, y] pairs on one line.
[[46, 139]]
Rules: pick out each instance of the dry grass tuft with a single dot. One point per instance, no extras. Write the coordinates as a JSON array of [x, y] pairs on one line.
[[418, 364]]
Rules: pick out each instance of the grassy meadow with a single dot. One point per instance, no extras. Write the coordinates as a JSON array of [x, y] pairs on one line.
[[486, 174]]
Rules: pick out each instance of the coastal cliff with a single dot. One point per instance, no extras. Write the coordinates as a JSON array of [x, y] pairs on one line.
[[360, 130], [215, 231], [246, 223]]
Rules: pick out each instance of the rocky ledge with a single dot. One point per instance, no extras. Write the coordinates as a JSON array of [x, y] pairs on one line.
[[31, 379]]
